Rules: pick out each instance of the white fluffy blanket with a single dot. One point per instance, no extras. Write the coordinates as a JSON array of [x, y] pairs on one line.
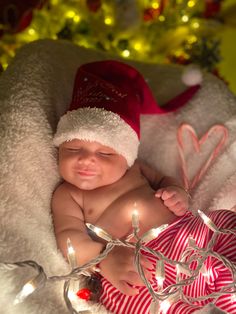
[[34, 92]]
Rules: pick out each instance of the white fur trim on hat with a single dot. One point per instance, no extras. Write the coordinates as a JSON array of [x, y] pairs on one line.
[[99, 125]]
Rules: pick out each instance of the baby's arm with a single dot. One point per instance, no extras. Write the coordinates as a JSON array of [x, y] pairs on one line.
[[69, 223], [120, 270], [173, 194]]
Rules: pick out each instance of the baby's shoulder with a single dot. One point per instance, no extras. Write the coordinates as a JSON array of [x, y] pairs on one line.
[[67, 192], [63, 188], [135, 169]]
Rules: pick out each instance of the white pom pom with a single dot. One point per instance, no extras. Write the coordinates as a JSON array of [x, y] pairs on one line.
[[192, 75]]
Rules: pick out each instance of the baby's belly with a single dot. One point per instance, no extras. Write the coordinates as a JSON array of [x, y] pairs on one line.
[[117, 218]]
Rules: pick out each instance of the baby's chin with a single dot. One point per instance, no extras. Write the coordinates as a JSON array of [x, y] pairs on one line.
[[88, 185]]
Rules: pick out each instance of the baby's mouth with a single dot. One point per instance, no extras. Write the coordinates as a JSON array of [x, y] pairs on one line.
[[86, 173]]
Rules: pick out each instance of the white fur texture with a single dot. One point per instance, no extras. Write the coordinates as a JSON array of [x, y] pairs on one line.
[[100, 125], [34, 92], [192, 75]]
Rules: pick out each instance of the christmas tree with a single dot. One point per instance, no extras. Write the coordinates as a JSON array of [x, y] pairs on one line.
[[159, 31]]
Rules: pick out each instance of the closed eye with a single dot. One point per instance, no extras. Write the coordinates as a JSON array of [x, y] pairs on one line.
[[105, 154], [73, 150]]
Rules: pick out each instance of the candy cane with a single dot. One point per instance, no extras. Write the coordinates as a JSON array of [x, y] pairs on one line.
[[197, 146]]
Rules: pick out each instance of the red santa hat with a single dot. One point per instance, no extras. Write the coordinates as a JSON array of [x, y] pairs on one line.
[[108, 99]]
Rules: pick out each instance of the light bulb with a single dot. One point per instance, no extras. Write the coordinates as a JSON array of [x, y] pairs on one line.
[[71, 254], [100, 232], [153, 233], [33, 284], [160, 273], [125, 53], [165, 305], [205, 273], [208, 221], [135, 218], [233, 297], [27, 289]]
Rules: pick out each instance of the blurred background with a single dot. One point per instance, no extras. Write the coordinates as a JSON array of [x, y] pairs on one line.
[[202, 32]]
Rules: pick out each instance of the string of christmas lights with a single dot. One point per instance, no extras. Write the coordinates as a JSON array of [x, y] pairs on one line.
[[164, 297], [182, 31]]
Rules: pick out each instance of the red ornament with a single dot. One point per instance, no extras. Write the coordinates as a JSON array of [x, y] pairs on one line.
[[84, 294], [25, 21], [212, 8], [94, 5], [179, 60], [150, 14], [16, 15]]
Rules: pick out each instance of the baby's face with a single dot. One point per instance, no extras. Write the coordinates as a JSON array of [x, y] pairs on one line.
[[89, 165]]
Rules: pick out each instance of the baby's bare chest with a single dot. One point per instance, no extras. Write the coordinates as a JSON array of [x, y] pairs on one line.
[[116, 197], [116, 216]]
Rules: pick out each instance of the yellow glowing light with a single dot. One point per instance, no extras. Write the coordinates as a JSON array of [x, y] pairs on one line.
[[76, 18], [160, 273], [70, 14], [153, 233], [195, 25], [71, 254], [72, 296], [233, 297], [160, 281], [155, 5], [161, 18], [71, 250], [99, 232], [4, 65], [125, 53], [30, 287], [192, 39], [26, 290], [54, 2], [108, 21], [207, 221], [137, 46], [165, 305], [185, 18], [31, 31], [135, 218], [181, 54], [191, 3]]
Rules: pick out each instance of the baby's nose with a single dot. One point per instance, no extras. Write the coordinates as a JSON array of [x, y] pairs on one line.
[[86, 157]]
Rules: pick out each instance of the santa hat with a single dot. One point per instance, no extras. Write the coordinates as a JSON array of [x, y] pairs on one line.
[[108, 99]]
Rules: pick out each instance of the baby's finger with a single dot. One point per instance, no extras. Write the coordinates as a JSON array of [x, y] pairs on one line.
[[159, 192], [172, 201], [181, 212], [167, 194], [179, 209]]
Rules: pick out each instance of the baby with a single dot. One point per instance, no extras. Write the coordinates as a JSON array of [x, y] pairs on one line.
[[98, 141]]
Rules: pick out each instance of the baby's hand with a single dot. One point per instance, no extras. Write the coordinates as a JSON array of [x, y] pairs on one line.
[[175, 198], [119, 269]]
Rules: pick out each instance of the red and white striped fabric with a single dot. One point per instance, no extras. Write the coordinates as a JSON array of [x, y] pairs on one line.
[[172, 242]]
